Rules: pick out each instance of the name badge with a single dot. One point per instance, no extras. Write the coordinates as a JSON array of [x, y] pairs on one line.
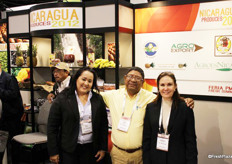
[[162, 142], [86, 126], [124, 124]]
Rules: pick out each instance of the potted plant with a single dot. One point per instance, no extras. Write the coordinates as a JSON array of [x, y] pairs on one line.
[[34, 54]]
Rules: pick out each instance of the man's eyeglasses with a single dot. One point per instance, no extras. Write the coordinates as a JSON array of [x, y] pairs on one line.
[[57, 71], [137, 78]]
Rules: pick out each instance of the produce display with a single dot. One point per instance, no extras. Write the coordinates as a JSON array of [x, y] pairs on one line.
[[3, 58], [18, 51], [19, 57], [34, 54], [3, 33], [15, 71], [103, 63], [23, 75], [111, 51]]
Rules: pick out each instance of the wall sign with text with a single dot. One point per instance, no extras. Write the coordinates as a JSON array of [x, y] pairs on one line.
[[56, 18]]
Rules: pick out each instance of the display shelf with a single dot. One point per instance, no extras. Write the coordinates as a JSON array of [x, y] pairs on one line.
[[25, 89], [41, 67], [18, 67]]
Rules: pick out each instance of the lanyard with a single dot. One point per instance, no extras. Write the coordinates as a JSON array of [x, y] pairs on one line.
[[134, 107], [161, 118]]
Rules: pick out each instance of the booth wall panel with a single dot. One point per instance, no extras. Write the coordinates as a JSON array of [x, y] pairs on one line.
[[125, 47], [100, 16], [18, 24], [44, 50], [125, 17]]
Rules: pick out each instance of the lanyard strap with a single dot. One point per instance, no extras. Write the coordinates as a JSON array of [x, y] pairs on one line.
[[161, 118], [134, 107]]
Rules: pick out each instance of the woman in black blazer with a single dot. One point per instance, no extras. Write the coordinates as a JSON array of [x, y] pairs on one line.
[[169, 129], [77, 123]]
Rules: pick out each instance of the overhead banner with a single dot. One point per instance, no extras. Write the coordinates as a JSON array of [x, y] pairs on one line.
[[193, 41], [190, 17], [56, 18]]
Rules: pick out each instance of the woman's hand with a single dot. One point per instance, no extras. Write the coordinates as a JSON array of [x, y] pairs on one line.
[[189, 102], [55, 159], [100, 155]]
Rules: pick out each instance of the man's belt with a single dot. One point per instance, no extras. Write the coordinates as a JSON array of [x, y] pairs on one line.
[[128, 150]]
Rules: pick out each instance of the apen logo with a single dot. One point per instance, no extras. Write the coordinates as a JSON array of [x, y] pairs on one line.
[[220, 66], [151, 49], [185, 47]]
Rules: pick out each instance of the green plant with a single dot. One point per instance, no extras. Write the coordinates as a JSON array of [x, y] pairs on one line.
[[3, 59], [95, 41], [57, 42]]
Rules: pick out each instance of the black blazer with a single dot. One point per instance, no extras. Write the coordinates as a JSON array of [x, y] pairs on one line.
[[64, 120], [12, 105], [182, 141]]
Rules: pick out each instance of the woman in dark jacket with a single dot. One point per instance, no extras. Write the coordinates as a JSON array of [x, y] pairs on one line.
[[77, 123], [169, 129]]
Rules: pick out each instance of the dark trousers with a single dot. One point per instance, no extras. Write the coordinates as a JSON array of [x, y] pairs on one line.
[[83, 154], [14, 127]]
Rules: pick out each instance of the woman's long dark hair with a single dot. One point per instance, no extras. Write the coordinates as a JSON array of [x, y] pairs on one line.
[[176, 96], [73, 85]]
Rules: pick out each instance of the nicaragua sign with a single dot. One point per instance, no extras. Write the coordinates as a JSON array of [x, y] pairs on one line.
[[56, 18]]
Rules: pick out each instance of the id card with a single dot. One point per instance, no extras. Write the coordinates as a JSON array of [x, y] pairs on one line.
[[162, 142], [86, 126], [124, 124]]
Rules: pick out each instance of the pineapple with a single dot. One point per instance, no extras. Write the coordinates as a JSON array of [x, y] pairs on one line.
[[19, 57], [34, 54]]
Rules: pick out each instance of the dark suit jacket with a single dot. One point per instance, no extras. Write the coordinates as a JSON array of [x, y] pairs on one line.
[[12, 105], [182, 142], [64, 116]]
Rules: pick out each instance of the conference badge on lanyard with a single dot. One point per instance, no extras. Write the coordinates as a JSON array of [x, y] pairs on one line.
[[162, 142], [86, 126], [163, 138], [124, 124]]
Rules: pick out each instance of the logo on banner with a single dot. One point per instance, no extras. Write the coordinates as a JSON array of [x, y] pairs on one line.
[[223, 45], [184, 65], [220, 89], [219, 66], [185, 47], [151, 49]]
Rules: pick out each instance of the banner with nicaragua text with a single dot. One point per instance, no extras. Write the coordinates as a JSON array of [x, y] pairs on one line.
[[56, 18], [193, 41]]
